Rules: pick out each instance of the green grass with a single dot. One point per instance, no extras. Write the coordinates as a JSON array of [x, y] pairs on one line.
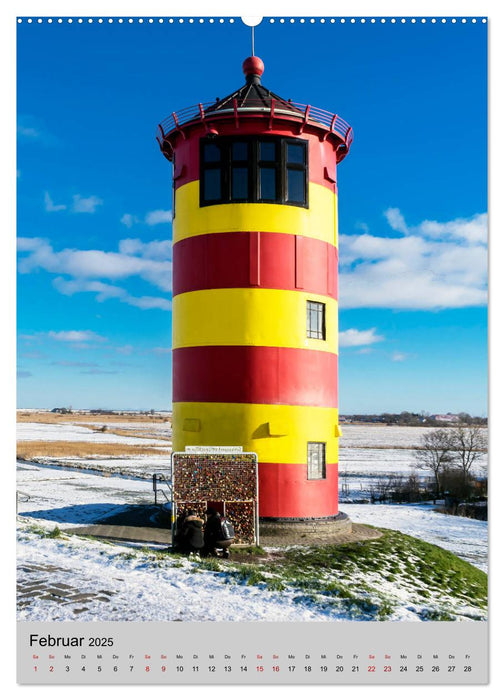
[[365, 580]]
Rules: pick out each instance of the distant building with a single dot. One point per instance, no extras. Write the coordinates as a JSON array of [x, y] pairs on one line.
[[446, 418]]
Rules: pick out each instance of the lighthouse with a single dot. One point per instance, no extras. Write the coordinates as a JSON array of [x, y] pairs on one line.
[[255, 292]]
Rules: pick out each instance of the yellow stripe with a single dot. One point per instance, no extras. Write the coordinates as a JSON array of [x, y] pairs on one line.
[[264, 317], [319, 221], [251, 425]]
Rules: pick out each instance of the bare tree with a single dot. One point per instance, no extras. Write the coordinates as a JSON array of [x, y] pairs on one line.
[[436, 455], [469, 445]]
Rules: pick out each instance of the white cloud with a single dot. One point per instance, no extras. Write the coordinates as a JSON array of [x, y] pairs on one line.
[[76, 336], [26, 245], [146, 302], [433, 266], [86, 205], [49, 204], [103, 292], [124, 349], [152, 218], [352, 337], [159, 216], [68, 363], [396, 220], [161, 351], [399, 356], [473, 230], [128, 220], [153, 250], [93, 264], [32, 130]]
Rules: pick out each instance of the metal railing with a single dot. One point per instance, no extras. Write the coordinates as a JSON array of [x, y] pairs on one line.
[[305, 113], [165, 490]]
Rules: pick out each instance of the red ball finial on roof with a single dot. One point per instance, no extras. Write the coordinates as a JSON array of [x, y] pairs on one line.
[[253, 66]]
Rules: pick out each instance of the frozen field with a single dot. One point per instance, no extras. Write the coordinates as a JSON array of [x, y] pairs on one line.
[[67, 432], [370, 453]]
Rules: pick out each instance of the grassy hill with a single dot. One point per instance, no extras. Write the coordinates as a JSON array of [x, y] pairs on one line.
[[394, 577]]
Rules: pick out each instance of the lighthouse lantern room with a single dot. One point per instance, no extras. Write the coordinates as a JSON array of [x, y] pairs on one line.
[[255, 292]]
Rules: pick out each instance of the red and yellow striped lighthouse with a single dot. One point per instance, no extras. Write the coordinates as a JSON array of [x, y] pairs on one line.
[[255, 302]]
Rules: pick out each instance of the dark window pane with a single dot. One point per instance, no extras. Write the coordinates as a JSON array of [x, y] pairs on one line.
[[212, 185], [211, 153], [267, 184], [267, 150], [239, 187], [295, 185], [240, 151], [295, 153]]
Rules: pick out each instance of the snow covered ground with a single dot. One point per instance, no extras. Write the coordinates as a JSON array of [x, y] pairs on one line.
[[135, 587], [465, 537], [70, 498], [77, 433], [55, 495], [372, 452]]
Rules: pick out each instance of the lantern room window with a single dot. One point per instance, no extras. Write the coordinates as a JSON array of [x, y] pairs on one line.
[[254, 169], [316, 460]]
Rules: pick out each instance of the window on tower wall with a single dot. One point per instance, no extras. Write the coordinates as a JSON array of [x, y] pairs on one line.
[[315, 320], [316, 460], [270, 170]]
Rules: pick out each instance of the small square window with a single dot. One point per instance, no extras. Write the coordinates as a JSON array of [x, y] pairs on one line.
[[315, 320], [316, 460]]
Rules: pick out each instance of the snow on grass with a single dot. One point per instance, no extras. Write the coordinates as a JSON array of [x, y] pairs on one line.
[[465, 537], [394, 578], [47, 432], [76, 498], [143, 466], [144, 587]]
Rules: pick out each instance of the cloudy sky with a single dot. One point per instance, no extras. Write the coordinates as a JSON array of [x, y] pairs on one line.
[[94, 201]]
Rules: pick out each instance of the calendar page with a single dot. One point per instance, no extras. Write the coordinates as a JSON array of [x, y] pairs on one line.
[[252, 311]]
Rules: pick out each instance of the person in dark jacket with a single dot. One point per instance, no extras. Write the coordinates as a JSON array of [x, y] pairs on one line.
[[213, 535], [191, 540]]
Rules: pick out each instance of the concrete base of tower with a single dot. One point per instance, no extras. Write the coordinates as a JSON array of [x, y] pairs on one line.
[[281, 531]]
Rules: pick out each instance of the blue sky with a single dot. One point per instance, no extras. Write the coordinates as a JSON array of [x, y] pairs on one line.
[[94, 200]]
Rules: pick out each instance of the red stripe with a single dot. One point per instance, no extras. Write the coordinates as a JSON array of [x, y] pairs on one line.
[[321, 154], [244, 259], [249, 374], [286, 492]]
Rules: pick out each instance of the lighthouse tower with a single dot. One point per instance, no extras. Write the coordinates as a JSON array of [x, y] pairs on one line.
[[255, 302]]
